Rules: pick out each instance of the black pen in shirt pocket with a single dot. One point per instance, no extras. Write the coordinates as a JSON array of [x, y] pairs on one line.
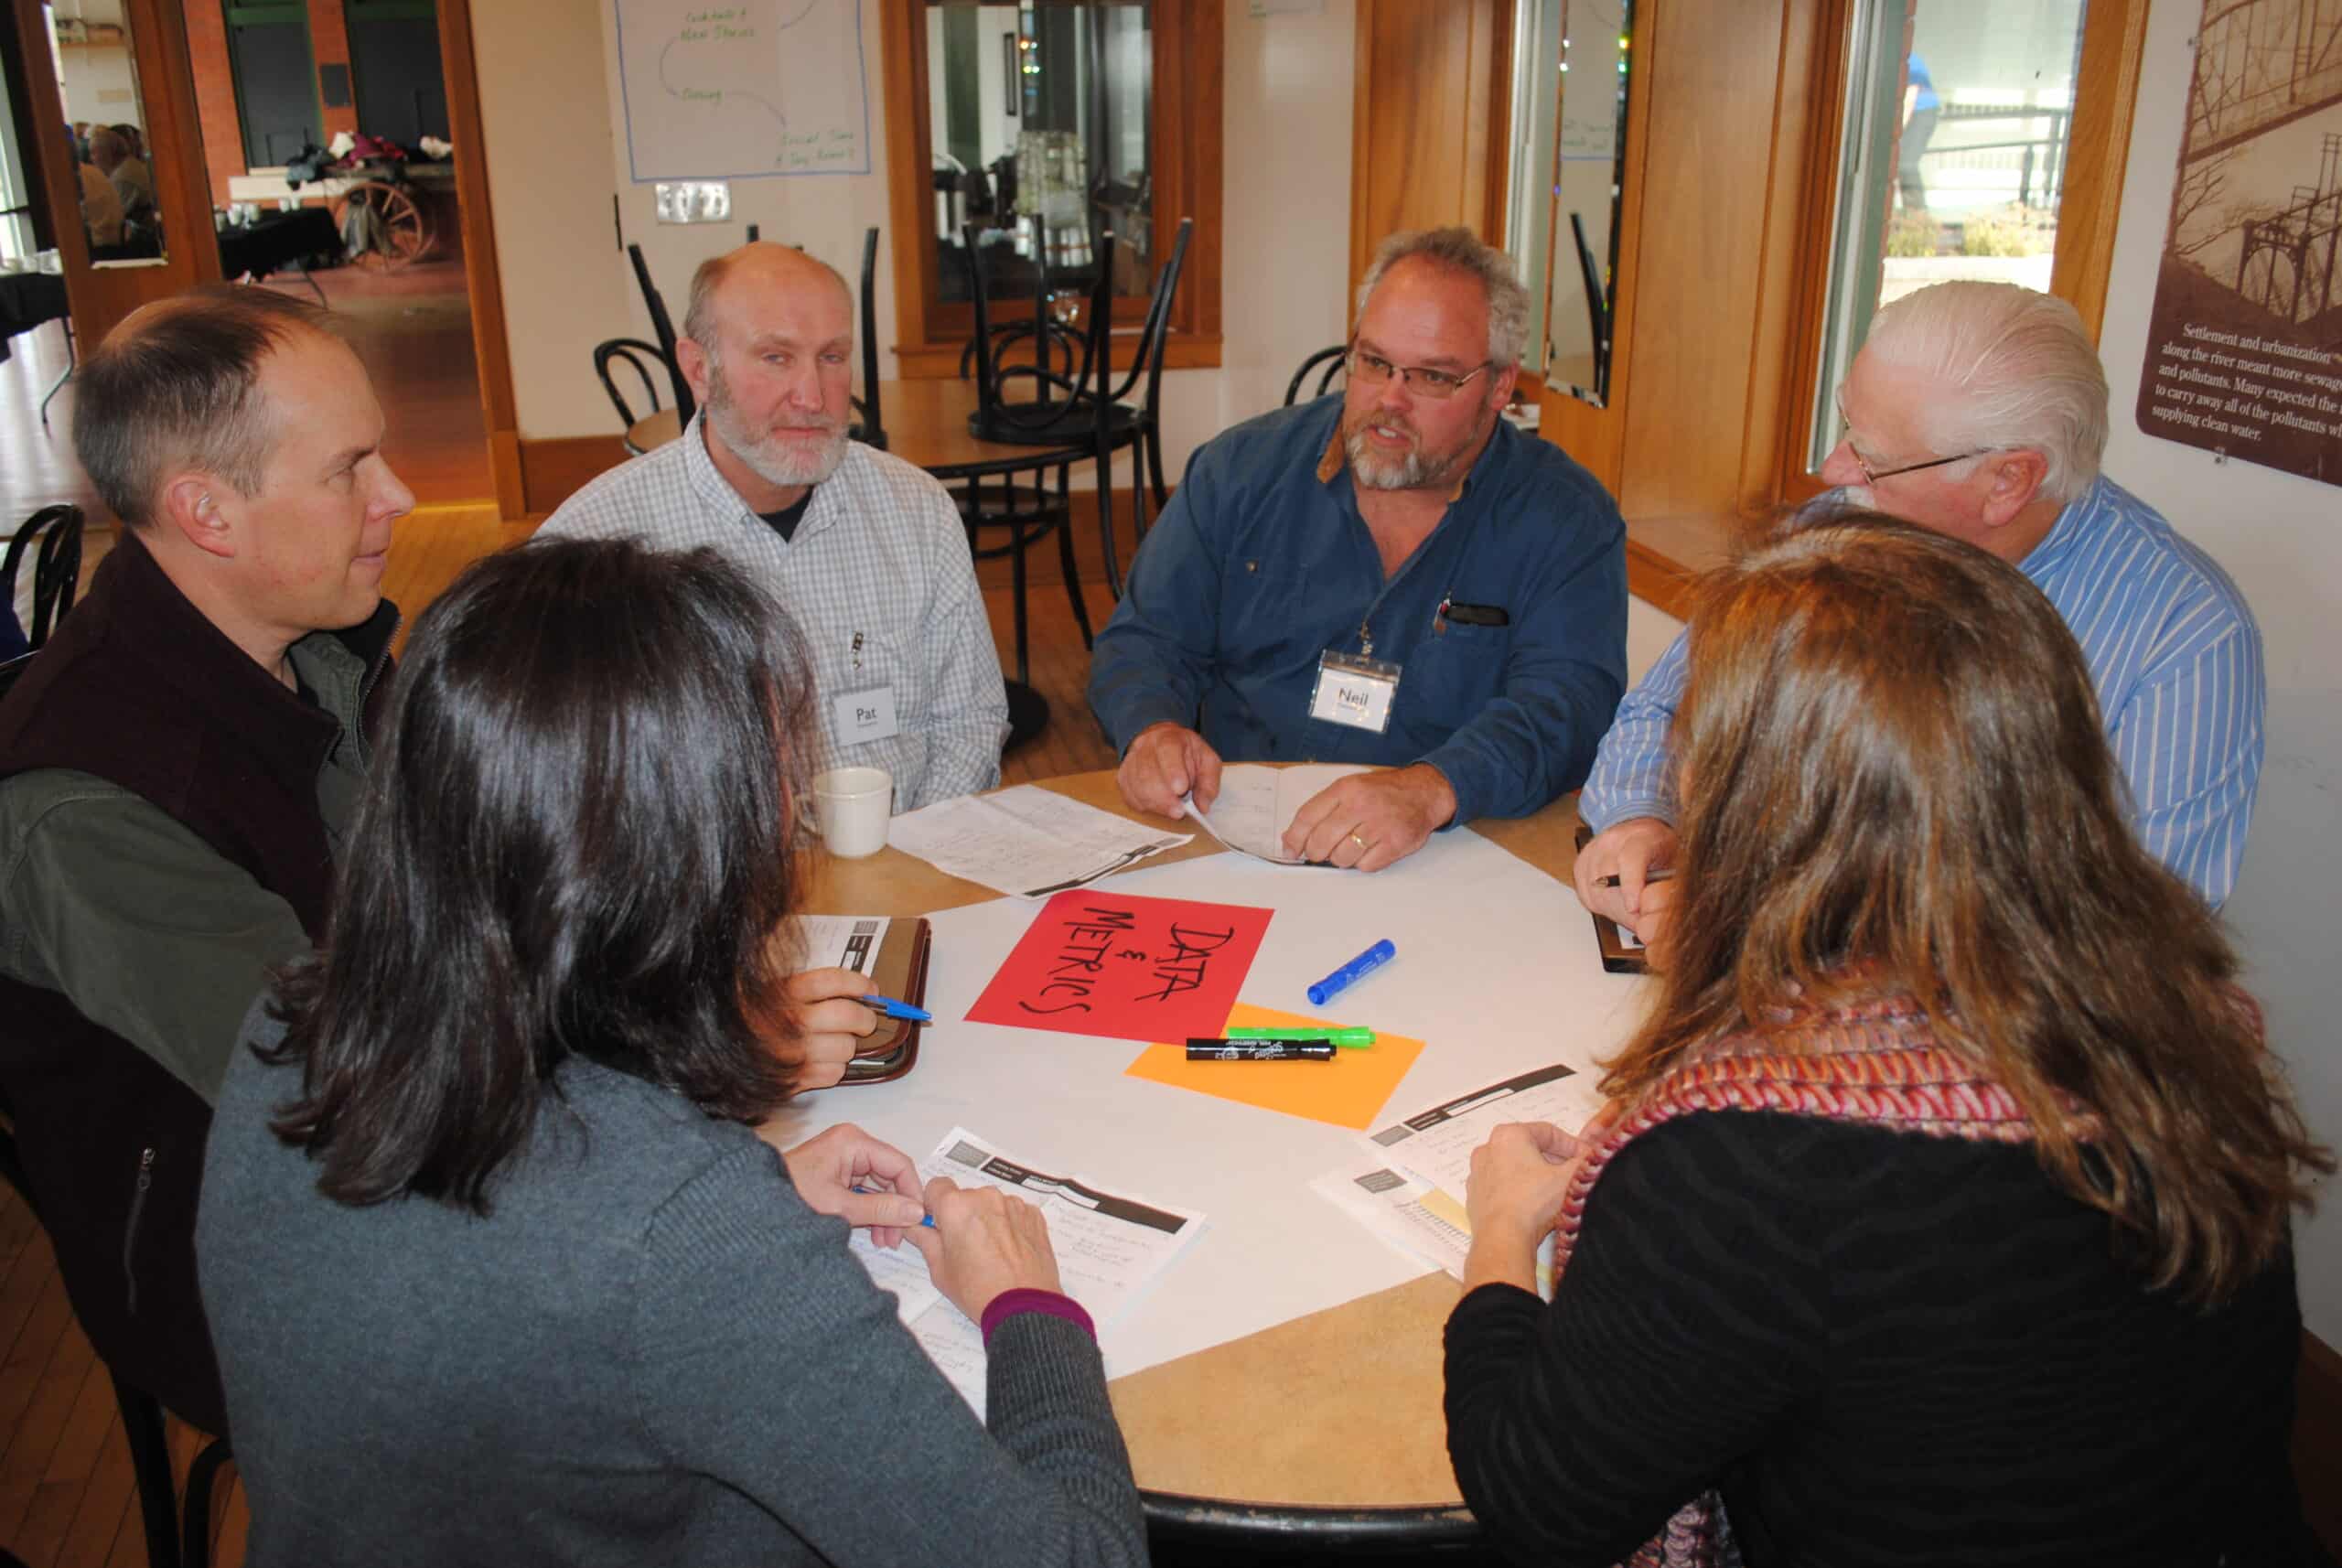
[[1467, 615]]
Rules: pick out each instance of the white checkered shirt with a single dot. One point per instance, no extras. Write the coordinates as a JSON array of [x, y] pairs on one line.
[[880, 555]]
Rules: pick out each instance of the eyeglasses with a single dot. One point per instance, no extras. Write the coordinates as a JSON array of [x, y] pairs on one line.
[[1872, 475], [1374, 369]]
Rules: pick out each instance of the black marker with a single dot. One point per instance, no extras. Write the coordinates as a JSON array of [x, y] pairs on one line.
[[1211, 1050]]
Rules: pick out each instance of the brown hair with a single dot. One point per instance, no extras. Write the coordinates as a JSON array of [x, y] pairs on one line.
[[581, 841], [178, 383], [1895, 779]]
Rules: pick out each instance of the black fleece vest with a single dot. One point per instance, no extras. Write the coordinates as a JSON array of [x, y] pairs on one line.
[[139, 689]]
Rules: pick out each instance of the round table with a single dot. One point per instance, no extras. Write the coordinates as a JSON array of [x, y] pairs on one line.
[[1259, 1436]]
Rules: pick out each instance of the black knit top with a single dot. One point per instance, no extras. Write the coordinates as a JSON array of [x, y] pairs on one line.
[[1886, 1349]]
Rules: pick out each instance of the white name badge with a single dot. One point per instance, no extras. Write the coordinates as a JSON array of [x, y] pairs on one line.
[[1354, 691], [865, 715]]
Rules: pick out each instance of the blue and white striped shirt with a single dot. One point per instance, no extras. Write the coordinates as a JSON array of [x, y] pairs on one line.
[[2171, 646]]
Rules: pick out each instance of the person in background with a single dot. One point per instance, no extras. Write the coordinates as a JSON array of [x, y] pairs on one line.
[[1940, 1212], [132, 177], [100, 203], [864, 550], [487, 1222], [1978, 410], [1920, 109], [1394, 576]]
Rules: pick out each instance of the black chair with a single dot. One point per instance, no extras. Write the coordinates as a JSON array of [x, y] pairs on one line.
[[638, 357], [1333, 361], [870, 428], [53, 536], [1114, 424], [1597, 307], [996, 495], [176, 1536], [663, 325]]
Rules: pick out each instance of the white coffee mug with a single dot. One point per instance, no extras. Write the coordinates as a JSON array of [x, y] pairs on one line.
[[852, 806]]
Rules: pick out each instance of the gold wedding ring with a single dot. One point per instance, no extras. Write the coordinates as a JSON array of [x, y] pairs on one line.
[[1359, 841]]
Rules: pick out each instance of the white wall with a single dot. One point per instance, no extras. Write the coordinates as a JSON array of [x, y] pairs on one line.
[[554, 160], [2280, 538]]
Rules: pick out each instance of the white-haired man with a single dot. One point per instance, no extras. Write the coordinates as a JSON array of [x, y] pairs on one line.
[[1393, 576], [865, 551], [1979, 410]]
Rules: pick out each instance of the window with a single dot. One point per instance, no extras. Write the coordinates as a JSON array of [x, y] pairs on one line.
[[1955, 125], [1042, 125]]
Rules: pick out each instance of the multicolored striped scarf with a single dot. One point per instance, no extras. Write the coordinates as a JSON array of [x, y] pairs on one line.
[[1876, 1063]]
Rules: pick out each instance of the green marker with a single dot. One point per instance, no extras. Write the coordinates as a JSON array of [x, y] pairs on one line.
[[1355, 1038]]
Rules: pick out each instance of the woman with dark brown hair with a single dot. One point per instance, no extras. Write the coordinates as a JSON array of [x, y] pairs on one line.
[[499, 1267], [1940, 1212]]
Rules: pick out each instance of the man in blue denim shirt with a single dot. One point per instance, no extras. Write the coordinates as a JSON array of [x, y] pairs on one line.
[[1308, 552]]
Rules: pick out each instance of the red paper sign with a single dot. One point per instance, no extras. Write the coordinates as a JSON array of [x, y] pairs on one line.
[[1133, 968]]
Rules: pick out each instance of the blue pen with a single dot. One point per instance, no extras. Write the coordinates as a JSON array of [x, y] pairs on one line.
[[926, 1219], [1350, 973], [887, 1006]]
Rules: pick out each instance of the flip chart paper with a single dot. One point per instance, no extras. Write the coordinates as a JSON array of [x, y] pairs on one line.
[[1126, 966], [1349, 1092]]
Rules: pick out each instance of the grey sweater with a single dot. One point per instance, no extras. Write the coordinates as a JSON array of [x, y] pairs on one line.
[[651, 1351]]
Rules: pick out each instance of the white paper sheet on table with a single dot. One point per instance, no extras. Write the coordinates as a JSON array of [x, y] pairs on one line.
[[1436, 1144], [1109, 1248], [1027, 841], [1255, 805], [1390, 1203], [841, 941]]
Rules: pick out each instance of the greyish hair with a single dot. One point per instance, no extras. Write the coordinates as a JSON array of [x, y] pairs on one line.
[[1462, 250], [2021, 369]]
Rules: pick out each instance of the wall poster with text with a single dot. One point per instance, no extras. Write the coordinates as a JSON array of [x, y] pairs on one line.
[[2244, 348]]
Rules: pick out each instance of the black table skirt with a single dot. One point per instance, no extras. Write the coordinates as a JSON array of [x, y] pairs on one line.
[[270, 243], [28, 299]]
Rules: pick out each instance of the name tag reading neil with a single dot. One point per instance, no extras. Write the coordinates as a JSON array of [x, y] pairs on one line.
[[865, 715], [1354, 691]]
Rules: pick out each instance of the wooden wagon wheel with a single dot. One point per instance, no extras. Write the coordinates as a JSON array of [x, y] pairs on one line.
[[393, 231]]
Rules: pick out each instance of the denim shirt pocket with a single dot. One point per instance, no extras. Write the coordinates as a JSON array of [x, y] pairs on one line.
[[1453, 675]]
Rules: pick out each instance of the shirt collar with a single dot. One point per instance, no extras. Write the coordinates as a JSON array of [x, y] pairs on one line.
[[2063, 533], [708, 483]]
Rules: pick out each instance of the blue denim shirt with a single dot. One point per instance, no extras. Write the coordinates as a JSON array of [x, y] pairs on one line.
[[1261, 563]]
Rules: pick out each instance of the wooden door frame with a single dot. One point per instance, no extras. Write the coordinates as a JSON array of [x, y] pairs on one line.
[[491, 346]]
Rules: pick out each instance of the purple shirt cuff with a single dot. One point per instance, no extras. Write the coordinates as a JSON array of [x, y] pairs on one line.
[[1009, 1303]]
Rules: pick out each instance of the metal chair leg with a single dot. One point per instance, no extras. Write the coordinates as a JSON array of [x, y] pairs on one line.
[[72, 363], [150, 1466], [201, 1476], [1066, 562]]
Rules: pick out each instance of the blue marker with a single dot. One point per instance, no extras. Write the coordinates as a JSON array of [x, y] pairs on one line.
[[1350, 973], [887, 1006]]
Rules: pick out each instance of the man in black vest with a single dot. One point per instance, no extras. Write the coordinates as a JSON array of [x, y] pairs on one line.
[[176, 768]]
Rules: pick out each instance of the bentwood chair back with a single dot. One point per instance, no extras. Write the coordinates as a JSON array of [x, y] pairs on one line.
[[663, 326], [52, 536], [1328, 362], [637, 356]]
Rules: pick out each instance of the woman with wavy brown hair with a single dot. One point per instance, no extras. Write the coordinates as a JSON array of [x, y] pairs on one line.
[[1941, 1210]]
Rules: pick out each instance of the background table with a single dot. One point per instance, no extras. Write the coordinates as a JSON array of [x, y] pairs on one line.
[[1336, 1410]]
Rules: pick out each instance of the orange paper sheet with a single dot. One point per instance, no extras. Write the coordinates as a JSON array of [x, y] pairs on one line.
[[1349, 1092]]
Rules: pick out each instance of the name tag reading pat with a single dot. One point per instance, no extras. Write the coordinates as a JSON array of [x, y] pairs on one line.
[[865, 715], [1354, 691]]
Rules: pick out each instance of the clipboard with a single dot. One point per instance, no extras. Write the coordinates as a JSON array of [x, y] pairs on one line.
[[899, 970], [1621, 954]]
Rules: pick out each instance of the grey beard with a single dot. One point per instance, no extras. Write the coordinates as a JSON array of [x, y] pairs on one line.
[[771, 461], [1375, 472]]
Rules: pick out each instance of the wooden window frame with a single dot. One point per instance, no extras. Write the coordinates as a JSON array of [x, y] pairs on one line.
[[1184, 152], [2089, 208]]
